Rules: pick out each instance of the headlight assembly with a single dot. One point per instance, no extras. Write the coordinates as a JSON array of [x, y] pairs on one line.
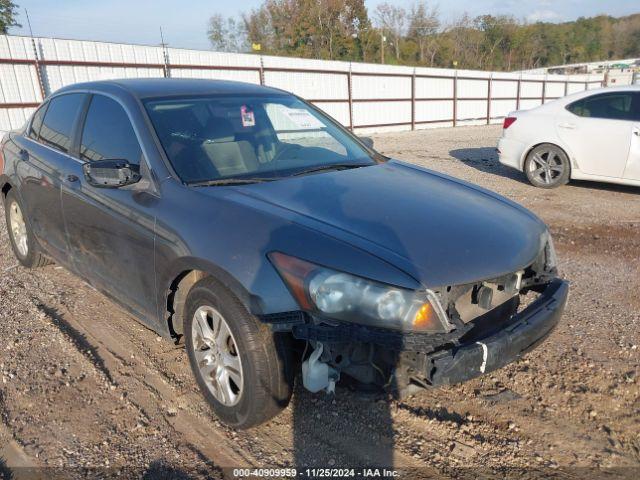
[[347, 297]]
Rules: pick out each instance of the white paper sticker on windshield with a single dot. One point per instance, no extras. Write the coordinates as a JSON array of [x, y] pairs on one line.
[[303, 119], [246, 114]]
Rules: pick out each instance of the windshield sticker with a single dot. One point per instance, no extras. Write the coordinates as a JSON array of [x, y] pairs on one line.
[[248, 119], [303, 119]]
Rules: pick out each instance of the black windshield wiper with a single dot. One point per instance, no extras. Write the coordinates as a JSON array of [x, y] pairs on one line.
[[333, 166], [229, 181]]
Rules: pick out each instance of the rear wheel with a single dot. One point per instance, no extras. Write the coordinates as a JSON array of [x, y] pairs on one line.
[[243, 369], [547, 166], [21, 237]]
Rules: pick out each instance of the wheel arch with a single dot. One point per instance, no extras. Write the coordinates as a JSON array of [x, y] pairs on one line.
[[184, 275]]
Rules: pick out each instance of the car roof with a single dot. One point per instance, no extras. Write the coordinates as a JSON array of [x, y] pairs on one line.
[[573, 97], [165, 87], [617, 88]]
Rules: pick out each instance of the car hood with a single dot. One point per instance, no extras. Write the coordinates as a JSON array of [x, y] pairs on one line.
[[440, 230]]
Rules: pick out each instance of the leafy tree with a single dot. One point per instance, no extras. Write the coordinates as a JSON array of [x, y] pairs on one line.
[[393, 21], [8, 13], [227, 35], [342, 30], [327, 29], [423, 29]]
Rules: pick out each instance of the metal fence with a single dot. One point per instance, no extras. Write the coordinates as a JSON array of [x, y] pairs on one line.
[[365, 97]]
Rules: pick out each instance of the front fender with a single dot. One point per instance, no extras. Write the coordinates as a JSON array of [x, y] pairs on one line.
[[252, 278]]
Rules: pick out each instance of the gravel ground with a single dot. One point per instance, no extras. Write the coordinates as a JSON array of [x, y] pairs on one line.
[[86, 390]]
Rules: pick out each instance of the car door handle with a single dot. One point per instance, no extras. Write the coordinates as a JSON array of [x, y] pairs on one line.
[[24, 154], [72, 178], [569, 126]]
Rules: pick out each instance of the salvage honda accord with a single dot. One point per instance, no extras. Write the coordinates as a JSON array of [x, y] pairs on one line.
[[271, 239]]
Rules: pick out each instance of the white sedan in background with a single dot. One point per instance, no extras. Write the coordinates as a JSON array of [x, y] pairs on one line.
[[591, 135]]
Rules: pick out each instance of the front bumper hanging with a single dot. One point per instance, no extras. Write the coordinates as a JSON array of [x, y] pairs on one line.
[[531, 326]]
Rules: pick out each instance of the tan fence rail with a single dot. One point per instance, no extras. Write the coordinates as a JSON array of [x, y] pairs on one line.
[[367, 97]]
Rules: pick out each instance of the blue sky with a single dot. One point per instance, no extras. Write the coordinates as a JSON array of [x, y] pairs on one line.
[[138, 21]]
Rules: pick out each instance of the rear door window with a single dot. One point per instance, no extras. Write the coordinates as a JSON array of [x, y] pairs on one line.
[[612, 106], [108, 133], [57, 127]]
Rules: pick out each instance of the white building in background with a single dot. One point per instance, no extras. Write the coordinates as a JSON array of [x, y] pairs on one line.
[[617, 72]]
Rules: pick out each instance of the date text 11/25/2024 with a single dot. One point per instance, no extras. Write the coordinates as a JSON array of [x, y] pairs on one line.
[[315, 473]]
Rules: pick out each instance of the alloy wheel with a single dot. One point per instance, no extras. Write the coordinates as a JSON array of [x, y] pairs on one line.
[[217, 355], [547, 166], [18, 229]]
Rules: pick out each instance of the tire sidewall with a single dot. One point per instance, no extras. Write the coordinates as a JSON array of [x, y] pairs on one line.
[[225, 304], [29, 259], [561, 180]]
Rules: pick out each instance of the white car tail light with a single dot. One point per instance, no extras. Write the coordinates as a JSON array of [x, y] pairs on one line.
[[507, 122]]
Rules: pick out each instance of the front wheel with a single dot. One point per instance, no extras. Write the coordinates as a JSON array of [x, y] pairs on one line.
[[243, 369], [547, 166]]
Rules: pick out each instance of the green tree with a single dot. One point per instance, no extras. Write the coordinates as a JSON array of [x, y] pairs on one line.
[[392, 19], [8, 13], [342, 30], [424, 23], [326, 29], [227, 34]]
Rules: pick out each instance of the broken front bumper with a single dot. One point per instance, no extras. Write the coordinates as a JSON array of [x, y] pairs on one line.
[[473, 349], [484, 355]]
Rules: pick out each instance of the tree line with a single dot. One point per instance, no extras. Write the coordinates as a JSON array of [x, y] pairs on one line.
[[417, 36]]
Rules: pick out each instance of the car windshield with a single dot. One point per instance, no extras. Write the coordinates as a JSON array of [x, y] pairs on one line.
[[224, 139]]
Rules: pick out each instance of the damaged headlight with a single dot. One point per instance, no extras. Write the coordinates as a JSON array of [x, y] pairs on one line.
[[347, 297]]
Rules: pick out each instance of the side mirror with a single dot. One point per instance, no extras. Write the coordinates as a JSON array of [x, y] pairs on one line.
[[368, 141], [111, 173]]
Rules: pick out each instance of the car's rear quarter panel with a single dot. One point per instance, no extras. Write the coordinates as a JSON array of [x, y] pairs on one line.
[[530, 129]]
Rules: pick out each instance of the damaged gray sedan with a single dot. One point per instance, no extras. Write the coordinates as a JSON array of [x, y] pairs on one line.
[[246, 223]]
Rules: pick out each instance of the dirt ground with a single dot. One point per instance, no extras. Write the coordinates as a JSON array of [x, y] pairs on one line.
[[86, 390]]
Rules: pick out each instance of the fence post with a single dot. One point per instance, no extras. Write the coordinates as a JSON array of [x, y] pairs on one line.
[[413, 99], [518, 92], [349, 87], [261, 72], [455, 97], [544, 88], [566, 87], [489, 98]]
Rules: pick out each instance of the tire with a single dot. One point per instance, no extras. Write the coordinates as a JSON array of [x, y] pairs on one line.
[[23, 242], [547, 166], [262, 358]]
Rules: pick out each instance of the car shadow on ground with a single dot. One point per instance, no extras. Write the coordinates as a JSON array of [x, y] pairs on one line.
[[485, 159], [605, 187], [160, 470], [5, 471]]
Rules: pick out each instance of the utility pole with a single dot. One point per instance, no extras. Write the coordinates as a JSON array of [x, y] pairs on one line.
[[382, 39], [43, 90], [165, 55]]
